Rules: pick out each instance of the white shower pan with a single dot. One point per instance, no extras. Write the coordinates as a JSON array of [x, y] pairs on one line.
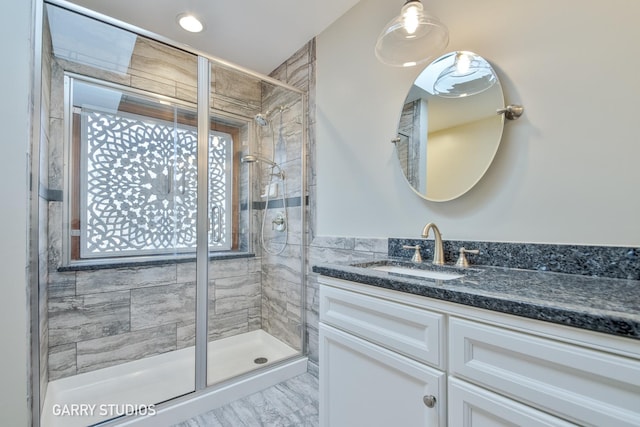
[[93, 397]]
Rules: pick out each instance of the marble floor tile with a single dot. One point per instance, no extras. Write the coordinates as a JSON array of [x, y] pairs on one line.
[[292, 403]]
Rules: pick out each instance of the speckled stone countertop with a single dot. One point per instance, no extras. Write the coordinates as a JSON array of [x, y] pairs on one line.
[[599, 304]]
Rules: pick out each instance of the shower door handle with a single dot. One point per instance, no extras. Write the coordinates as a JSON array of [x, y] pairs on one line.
[[216, 219]]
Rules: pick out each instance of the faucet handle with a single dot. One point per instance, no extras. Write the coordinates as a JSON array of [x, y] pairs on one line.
[[462, 259], [416, 255]]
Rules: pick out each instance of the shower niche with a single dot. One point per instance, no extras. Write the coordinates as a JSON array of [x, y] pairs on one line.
[[166, 268]]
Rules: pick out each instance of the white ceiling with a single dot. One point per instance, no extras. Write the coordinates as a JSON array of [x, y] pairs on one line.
[[256, 34]]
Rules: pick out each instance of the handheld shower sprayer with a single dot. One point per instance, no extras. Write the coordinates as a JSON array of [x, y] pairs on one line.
[[280, 221], [252, 158]]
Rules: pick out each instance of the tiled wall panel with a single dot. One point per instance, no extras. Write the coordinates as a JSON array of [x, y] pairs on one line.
[[113, 350]]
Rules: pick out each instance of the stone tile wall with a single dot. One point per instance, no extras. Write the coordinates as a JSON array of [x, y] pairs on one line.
[[101, 318], [282, 274]]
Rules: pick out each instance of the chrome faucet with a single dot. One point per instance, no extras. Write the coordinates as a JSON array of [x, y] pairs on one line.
[[438, 253]]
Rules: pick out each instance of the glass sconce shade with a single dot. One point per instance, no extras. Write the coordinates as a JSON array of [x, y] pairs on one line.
[[411, 38], [468, 75]]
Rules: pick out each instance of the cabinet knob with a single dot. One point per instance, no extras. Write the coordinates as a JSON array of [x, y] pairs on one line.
[[429, 401]]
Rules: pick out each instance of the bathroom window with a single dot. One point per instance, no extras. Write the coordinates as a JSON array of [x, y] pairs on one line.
[[133, 175]]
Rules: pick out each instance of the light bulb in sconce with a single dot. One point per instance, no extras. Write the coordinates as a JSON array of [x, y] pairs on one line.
[[411, 38]]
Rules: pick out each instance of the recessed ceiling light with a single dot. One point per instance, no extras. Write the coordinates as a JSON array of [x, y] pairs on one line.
[[190, 23]]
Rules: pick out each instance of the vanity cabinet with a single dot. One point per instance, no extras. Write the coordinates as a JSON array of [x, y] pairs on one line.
[[383, 351]]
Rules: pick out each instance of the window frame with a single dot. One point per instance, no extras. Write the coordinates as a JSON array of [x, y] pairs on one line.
[[75, 190]]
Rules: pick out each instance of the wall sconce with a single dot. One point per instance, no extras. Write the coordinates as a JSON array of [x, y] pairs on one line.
[[411, 38]]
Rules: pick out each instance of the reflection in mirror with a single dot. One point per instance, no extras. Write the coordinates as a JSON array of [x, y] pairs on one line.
[[469, 74], [449, 135]]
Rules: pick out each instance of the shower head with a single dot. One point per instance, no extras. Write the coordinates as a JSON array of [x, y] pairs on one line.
[[261, 119]]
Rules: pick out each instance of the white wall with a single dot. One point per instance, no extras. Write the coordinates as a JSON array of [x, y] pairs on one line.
[[15, 27], [566, 172]]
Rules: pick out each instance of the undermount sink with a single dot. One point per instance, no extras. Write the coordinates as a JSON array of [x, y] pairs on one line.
[[417, 272], [428, 271], [420, 272]]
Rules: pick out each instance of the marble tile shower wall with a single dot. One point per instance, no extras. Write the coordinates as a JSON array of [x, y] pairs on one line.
[[282, 287], [98, 318], [281, 273]]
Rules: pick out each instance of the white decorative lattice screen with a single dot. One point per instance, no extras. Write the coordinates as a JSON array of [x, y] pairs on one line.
[[139, 186]]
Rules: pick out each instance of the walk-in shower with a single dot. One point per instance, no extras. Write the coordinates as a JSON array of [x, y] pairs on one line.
[[159, 279]]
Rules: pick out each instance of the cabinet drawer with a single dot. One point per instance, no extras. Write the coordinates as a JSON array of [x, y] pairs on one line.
[[414, 332], [589, 387], [471, 406]]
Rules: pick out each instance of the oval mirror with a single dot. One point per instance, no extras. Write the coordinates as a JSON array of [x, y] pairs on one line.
[[449, 131]]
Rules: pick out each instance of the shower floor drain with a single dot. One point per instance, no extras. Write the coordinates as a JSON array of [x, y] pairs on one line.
[[260, 360]]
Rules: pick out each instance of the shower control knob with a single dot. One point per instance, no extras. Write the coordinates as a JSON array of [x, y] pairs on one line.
[[279, 222], [429, 401]]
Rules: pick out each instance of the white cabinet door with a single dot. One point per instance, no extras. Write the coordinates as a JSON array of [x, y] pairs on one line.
[[362, 384], [471, 406]]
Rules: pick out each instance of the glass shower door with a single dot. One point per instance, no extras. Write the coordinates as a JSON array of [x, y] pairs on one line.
[[122, 221], [254, 316]]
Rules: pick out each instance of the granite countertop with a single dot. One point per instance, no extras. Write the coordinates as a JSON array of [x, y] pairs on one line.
[[599, 304]]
